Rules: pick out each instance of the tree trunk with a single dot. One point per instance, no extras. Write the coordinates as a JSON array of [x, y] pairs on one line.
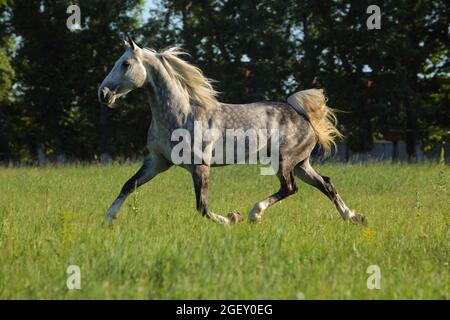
[[40, 154], [394, 151], [411, 130]]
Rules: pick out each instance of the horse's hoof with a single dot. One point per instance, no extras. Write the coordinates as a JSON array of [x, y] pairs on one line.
[[359, 219], [255, 218], [235, 217], [107, 223]]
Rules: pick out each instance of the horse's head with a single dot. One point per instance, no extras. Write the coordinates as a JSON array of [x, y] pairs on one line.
[[127, 74]]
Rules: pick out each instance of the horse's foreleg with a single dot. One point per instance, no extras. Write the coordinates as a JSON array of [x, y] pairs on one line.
[[200, 176], [287, 188], [150, 168], [307, 173]]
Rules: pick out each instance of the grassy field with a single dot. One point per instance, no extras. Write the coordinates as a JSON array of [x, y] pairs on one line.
[[160, 247]]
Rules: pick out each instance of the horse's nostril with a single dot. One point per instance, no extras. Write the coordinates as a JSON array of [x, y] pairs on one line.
[[105, 93]]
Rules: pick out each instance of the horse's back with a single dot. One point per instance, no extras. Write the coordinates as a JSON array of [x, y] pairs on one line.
[[262, 115]]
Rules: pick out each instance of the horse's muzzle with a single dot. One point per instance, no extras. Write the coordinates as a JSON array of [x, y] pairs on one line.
[[106, 96]]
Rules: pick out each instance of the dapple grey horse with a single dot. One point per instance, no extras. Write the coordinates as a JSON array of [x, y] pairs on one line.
[[180, 95]]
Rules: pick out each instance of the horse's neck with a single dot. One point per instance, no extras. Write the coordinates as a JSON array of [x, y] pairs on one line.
[[170, 108]]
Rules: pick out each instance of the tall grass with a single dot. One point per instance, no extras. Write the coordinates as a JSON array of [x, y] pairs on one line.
[[161, 248]]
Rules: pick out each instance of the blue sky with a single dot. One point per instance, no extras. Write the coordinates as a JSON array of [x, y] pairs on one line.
[[147, 6]]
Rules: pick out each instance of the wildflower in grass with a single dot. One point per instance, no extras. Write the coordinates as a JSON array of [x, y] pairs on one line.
[[368, 235], [134, 205]]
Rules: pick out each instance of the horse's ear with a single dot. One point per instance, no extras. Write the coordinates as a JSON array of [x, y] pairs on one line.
[[131, 44], [125, 43]]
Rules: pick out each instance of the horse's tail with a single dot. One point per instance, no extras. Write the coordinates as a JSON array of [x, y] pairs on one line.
[[312, 103]]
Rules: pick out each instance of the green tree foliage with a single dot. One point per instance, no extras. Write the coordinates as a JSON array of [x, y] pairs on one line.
[[59, 70], [242, 44], [269, 48], [391, 83], [6, 45], [411, 62], [122, 131], [6, 80]]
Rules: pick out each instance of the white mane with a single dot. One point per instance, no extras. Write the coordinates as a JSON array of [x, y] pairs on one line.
[[188, 78]]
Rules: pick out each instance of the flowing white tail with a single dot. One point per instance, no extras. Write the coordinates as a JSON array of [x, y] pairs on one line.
[[312, 103]]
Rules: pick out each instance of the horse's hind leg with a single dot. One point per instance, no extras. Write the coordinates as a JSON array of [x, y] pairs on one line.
[[200, 176], [287, 188], [150, 168], [306, 172]]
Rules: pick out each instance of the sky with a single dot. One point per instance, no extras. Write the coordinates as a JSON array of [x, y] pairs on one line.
[[149, 4]]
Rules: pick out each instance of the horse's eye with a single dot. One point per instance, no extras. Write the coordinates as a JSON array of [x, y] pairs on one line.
[[126, 64]]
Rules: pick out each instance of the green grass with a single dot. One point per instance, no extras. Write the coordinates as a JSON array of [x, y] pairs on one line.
[[161, 248]]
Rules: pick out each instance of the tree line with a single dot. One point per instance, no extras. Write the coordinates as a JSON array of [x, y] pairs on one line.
[[390, 83]]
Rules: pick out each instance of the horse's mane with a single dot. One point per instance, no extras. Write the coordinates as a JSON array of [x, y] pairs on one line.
[[189, 79]]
